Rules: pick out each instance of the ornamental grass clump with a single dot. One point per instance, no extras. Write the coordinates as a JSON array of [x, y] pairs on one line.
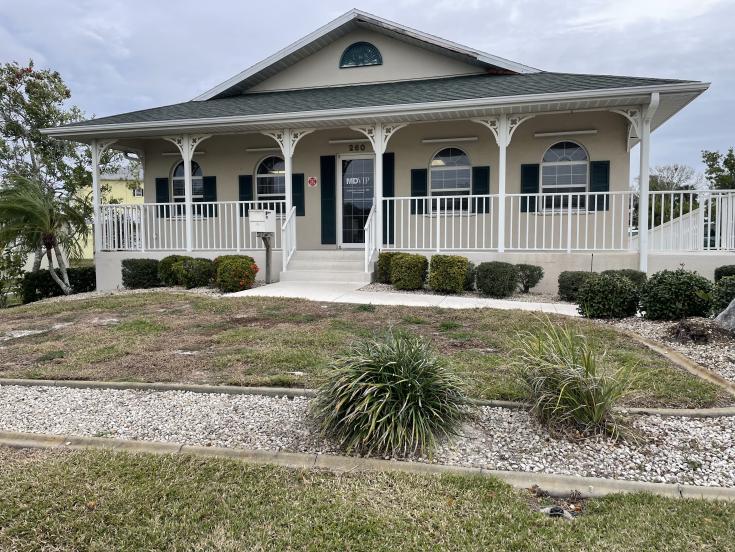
[[569, 385], [392, 395]]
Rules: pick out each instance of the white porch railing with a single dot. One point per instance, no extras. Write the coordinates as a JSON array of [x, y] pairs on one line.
[[536, 222], [216, 226], [371, 239], [692, 221], [288, 239]]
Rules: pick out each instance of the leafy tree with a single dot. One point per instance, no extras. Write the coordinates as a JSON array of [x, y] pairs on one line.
[[720, 171], [30, 100], [674, 177], [33, 213]]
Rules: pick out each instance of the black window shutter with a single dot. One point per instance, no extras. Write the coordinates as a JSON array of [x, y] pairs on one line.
[[419, 188], [162, 196], [389, 190], [245, 192], [481, 186], [600, 182], [210, 195], [328, 168], [529, 185], [297, 194]]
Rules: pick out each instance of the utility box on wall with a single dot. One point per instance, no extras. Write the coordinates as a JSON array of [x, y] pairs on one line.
[[262, 221]]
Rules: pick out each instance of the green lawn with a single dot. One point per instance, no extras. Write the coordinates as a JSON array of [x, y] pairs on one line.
[[117, 501], [177, 337]]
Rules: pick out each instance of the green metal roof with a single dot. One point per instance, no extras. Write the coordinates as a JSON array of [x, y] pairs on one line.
[[378, 95]]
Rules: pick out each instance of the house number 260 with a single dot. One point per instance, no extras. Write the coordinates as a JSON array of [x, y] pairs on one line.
[[357, 147]]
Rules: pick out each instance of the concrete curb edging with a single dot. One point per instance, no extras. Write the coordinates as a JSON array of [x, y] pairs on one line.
[[291, 392], [682, 361], [555, 485]]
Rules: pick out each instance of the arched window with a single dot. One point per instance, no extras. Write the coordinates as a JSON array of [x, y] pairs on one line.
[[360, 54], [564, 170], [270, 180], [178, 187], [450, 174]]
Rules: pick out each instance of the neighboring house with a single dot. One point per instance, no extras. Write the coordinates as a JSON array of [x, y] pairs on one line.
[[367, 135]]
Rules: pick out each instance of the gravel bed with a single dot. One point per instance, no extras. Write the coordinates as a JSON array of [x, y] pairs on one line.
[[531, 297], [717, 355], [684, 450]]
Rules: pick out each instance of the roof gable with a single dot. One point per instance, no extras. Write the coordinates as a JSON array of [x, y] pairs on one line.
[[352, 21]]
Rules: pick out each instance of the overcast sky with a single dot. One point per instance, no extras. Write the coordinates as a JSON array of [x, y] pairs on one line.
[[122, 55]]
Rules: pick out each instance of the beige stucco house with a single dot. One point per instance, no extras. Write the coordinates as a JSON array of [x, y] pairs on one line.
[[367, 135]]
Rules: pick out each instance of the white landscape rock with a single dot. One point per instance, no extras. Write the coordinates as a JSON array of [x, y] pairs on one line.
[[698, 451], [726, 318]]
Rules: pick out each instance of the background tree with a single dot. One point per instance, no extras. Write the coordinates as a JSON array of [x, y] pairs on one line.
[[30, 100], [675, 177], [720, 171]]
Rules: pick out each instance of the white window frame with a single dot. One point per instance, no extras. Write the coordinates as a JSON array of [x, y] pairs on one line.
[[449, 192], [269, 197], [138, 192], [545, 189]]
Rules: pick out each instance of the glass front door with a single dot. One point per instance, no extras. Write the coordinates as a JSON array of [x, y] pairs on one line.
[[358, 186]]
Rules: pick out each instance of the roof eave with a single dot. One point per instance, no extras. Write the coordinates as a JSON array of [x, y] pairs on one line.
[[72, 132]]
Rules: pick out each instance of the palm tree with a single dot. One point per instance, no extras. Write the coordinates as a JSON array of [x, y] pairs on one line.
[[33, 215]]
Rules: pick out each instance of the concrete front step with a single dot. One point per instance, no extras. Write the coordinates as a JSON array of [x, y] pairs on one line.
[[329, 254], [351, 276], [338, 265]]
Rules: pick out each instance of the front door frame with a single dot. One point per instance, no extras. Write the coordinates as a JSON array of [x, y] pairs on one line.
[[340, 158]]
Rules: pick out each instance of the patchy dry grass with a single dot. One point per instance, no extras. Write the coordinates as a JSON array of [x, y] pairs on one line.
[[176, 337], [117, 501]]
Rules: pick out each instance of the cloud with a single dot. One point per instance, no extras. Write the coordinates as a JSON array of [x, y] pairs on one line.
[[121, 55]]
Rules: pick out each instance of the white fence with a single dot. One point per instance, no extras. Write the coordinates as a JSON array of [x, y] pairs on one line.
[[592, 221], [219, 226]]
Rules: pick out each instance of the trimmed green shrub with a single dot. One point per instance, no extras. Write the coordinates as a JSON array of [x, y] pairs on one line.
[[140, 273], [497, 279], [382, 271], [723, 272], [569, 283], [607, 296], [217, 260], [636, 276], [447, 273], [569, 387], [675, 294], [39, 285], [723, 294], [235, 273], [167, 271], [195, 272], [529, 276], [408, 271], [389, 396], [470, 275]]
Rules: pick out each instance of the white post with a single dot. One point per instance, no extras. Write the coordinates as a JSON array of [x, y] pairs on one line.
[[378, 189], [186, 155], [645, 154], [288, 160], [97, 149], [187, 145], [502, 138]]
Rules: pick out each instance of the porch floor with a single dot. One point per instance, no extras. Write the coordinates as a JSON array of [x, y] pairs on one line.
[[332, 292]]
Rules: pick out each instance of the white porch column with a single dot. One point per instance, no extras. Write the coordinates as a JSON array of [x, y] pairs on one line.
[[187, 145], [503, 126], [97, 148], [645, 158], [379, 135], [287, 140]]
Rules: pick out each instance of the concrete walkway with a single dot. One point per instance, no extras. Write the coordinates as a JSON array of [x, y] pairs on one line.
[[339, 292]]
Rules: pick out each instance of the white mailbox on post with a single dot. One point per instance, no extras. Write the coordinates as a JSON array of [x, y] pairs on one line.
[[262, 221]]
